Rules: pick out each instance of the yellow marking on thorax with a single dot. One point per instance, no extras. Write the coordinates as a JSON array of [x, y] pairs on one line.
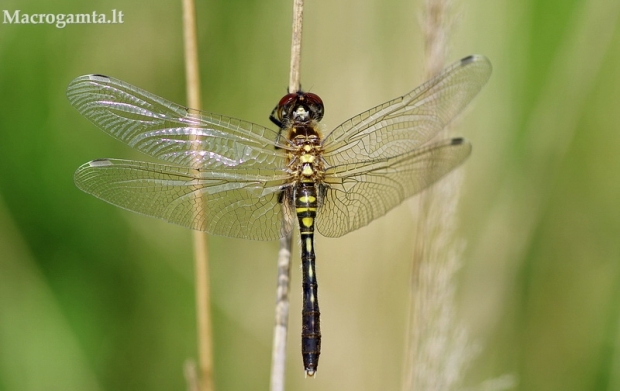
[[306, 158], [307, 170]]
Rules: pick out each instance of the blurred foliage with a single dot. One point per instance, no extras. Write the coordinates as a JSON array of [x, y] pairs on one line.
[[96, 298]]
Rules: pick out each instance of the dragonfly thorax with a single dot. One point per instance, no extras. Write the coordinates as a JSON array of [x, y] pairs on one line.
[[305, 161]]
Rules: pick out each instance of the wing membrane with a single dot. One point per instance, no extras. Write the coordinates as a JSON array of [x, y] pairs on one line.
[[227, 176], [171, 132], [360, 192], [235, 202], [402, 124]]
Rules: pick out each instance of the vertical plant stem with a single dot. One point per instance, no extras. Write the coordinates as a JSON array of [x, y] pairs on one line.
[[201, 259], [437, 348], [203, 312], [278, 354], [284, 255], [298, 14], [437, 24]]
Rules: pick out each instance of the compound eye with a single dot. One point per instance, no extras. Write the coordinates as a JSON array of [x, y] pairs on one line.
[[315, 105], [287, 99], [313, 98], [284, 104]]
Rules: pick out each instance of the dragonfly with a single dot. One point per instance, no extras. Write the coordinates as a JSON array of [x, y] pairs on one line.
[[238, 179]]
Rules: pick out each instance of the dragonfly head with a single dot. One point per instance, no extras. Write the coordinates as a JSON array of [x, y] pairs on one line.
[[299, 107]]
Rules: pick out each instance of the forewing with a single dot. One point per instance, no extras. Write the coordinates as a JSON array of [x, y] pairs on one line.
[[403, 124], [360, 192], [235, 202], [171, 132]]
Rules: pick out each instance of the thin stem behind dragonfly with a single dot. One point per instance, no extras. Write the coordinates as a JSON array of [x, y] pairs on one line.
[[284, 255]]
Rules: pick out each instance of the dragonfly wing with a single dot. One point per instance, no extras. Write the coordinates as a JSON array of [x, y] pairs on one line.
[[403, 124], [236, 202], [357, 193], [171, 132]]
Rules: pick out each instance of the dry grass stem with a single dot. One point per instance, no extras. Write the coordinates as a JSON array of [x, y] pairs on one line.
[[201, 258], [437, 350], [437, 24], [278, 359], [278, 354], [298, 13]]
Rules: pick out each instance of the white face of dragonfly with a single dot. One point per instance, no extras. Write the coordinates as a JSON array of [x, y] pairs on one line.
[[301, 114]]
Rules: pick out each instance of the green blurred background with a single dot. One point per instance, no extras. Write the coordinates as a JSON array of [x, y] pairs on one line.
[[96, 298]]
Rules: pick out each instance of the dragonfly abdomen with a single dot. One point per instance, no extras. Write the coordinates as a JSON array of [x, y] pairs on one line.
[[305, 207]]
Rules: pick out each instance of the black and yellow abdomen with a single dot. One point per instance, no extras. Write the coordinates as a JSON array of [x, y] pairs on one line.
[[305, 207]]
